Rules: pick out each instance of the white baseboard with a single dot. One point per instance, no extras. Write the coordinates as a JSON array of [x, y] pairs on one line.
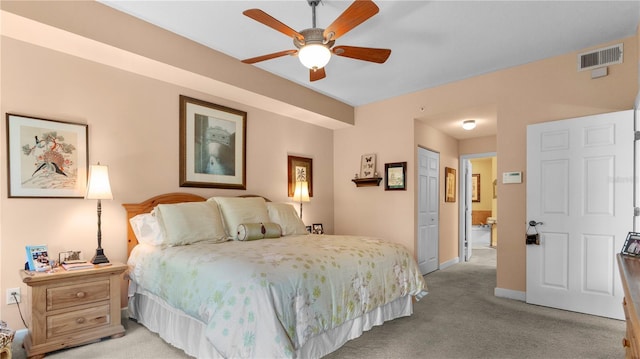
[[449, 263], [510, 294]]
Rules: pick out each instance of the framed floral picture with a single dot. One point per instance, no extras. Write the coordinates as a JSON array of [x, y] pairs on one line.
[[46, 158], [299, 169], [212, 145]]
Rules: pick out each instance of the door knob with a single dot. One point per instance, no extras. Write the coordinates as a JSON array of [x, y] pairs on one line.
[[534, 223]]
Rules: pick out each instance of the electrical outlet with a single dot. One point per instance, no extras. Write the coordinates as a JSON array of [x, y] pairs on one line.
[[10, 295]]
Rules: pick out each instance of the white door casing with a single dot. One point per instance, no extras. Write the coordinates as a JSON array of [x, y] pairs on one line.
[[428, 210], [468, 208], [579, 185]]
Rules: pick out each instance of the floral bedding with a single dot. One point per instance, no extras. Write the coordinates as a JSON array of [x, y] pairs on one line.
[[266, 298]]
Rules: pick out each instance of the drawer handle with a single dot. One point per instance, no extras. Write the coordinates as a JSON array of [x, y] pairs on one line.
[[625, 343], [80, 320], [81, 294]]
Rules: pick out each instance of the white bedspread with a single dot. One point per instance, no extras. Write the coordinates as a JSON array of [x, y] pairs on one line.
[[267, 298]]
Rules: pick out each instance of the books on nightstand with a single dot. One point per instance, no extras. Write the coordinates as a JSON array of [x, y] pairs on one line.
[[75, 265]]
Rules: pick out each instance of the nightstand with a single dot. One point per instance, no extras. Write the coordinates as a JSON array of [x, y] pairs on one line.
[[70, 308]]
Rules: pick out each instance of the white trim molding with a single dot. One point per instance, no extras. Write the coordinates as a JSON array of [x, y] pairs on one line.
[[449, 263], [510, 294]]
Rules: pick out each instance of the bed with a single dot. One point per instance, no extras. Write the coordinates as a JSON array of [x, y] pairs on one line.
[[239, 277]]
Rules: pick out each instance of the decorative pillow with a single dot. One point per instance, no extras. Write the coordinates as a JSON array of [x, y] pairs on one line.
[[147, 229], [238, 210], [190, 222], [286, 216], [253, 231]]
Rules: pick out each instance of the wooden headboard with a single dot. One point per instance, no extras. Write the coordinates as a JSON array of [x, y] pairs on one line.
[[134, 209]]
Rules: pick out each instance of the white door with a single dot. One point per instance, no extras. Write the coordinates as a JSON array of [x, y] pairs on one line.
[[466, 197], [579, 185], [428, 217]]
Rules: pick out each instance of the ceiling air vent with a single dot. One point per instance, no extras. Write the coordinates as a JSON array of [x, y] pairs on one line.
[[600, 57]]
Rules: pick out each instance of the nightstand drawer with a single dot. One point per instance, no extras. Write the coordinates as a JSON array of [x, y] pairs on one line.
[[76, 294], [74, 322]]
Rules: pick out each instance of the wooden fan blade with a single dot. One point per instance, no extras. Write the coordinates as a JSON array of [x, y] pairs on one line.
[[354, 15], [266, 19], [363, 53], [317, 74], [253, 60]]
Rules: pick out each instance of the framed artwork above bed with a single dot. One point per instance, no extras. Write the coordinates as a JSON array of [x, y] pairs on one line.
[[299, 169], [212, 145]]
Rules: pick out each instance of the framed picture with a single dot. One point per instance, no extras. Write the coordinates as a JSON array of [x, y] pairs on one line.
[[368, 166], [309, 229], [299, 169], [495, 189], [47, 158], [212, 145], [632, 244], [38, 258], [449, 184], [475, 187], [395, 176], [317, 228]]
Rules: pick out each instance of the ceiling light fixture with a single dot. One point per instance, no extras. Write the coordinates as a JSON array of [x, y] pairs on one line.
[[469, 125], [314, 56]]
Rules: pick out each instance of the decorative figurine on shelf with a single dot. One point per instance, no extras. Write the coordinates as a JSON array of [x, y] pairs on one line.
[[356, 177]]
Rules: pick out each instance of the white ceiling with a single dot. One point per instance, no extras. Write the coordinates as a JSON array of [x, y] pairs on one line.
[[432, 42]]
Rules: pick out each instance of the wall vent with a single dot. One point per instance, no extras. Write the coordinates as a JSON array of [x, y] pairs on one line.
[[601, 57]]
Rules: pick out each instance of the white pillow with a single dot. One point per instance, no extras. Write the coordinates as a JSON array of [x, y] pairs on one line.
[[190, 222], [239, 210], [286, 216], [147, 229]]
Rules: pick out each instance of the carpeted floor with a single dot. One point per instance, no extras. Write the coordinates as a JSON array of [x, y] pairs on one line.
[[460, 318]]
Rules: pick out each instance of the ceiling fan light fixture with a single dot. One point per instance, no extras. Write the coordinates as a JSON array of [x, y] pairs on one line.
[[314, 56], [469, 125]]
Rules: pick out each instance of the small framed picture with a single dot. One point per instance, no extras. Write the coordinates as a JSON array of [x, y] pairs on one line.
[[317, 228], [309, 229], [38, 258], [368, 166], [299, 169], [395, 176], [475, 187], [449, 184], [632, 244]]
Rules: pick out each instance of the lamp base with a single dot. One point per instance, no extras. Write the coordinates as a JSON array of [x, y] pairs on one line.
[[99, 257]]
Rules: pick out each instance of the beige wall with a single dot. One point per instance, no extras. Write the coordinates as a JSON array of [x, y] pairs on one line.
[[542, 91], [487, 144], [133, 128]]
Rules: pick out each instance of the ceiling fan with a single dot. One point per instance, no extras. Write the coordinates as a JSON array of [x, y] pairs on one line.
[[315, 45]]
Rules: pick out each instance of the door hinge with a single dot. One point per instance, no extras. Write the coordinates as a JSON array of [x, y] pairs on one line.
[[636, 135], [636, 211]]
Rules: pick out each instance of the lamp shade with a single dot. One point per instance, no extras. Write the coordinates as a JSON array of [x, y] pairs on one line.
[[98, 186], [314, 56], [301, 192]]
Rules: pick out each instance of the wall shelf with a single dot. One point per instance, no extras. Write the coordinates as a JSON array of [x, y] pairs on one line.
[[367, 182]]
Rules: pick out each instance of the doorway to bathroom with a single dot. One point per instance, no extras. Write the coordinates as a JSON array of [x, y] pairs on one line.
[[478, 205]]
